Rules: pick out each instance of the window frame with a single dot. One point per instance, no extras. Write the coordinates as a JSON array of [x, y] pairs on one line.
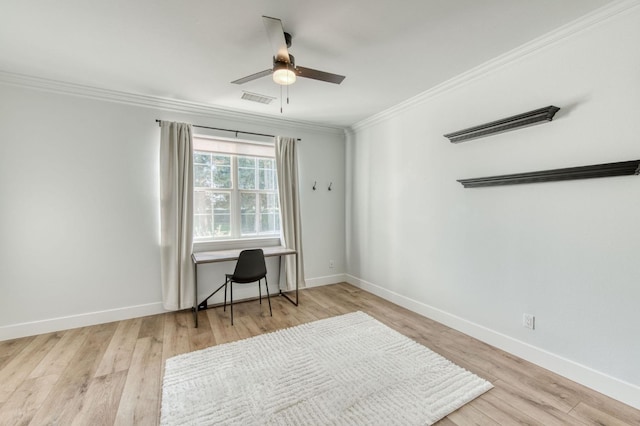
[[235, 239]]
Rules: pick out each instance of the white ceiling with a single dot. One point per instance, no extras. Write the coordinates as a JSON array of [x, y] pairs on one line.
[[191, 50]]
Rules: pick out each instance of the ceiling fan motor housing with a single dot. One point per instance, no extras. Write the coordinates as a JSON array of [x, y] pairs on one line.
[[285, 64]]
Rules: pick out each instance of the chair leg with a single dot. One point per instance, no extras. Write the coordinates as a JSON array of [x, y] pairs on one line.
[[231, 302], [266, 284], [224, 309], [259, 292]]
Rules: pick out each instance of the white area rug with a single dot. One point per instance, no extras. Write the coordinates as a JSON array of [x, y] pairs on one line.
[[345, 370]]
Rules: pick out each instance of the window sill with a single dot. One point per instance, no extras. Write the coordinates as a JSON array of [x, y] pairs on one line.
[[244, 243]]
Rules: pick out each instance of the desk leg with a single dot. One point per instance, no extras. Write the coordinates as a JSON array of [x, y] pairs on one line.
[[285, 295], [195, 296]]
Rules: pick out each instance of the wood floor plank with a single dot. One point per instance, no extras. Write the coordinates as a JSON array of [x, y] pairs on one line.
[[112, 373], [66, 400], [469, 416], [446, 422], [59, 357], [502, 412], [13, 346], [301, 314], [176, 334], [140, 401], [19, 368], [201, 337], [528, 402], [4, 360], [590, 415], [120, 350], [152, 326], [101, 400], [319, 311], [141, 396], [220, 322], [247, 327], [27, 399], [602, 403]]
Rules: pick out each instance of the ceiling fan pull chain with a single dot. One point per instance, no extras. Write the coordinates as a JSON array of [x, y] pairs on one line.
[[288, 76], [280, 99]]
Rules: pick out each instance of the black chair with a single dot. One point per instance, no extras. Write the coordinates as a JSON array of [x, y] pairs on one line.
[[249, 269]]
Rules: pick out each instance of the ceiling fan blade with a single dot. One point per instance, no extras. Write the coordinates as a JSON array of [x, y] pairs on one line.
[[275, 31], [253, 77], [319, 75]]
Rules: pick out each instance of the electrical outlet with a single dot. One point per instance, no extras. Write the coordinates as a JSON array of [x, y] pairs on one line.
[[529, 321], [331, 264]]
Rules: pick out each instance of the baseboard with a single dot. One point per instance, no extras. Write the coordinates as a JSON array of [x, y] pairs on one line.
[[82, 320], [615, 388], [92, 318], [329, 279]]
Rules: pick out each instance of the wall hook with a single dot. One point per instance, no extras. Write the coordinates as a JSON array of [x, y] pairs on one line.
[[331, 183], [314, 185]]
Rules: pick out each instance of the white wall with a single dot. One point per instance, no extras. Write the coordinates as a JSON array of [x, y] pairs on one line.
[[79, 218], [477, 259]]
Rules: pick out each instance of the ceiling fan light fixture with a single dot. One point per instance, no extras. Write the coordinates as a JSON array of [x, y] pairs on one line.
[[283, 74]]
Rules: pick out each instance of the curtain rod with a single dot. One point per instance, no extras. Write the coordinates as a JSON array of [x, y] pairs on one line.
[[229, 130]]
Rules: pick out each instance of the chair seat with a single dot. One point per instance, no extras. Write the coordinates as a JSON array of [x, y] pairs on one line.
[[243, 280]]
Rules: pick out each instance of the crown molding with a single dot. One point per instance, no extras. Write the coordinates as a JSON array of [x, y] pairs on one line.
[[156, 102], [564, 32]]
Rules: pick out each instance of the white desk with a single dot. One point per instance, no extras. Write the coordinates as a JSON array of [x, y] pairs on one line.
[[231, 255]]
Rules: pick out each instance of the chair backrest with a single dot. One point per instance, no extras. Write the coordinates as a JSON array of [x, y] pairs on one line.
[[250, 266]]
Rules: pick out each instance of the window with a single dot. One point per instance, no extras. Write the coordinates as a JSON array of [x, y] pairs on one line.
[[235, 190]]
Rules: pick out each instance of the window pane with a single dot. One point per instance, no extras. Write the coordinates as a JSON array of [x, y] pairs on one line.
[[267, 179], [269, 203], [201, 176], [246, 173], [249, 162], [221, 213], [201, 202], [247, 213], [269, 214], [267, 224], [222, 225], [221, 160], [221, 171], [267, 163], [267, 173], [202, 226], [212, 216], [201, 158]]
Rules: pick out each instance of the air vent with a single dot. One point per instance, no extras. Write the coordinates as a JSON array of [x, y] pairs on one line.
[[255, 97]]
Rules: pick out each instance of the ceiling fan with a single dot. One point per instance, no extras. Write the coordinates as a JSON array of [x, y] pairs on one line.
[[284, 68]]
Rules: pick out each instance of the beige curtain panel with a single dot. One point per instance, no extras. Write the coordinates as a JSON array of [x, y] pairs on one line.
[[287, 166], [176, 215]]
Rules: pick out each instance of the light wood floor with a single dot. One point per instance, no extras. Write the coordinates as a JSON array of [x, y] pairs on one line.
[[112, 373]]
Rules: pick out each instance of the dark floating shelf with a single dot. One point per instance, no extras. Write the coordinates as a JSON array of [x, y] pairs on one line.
[[623, 168], [530, 118]]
